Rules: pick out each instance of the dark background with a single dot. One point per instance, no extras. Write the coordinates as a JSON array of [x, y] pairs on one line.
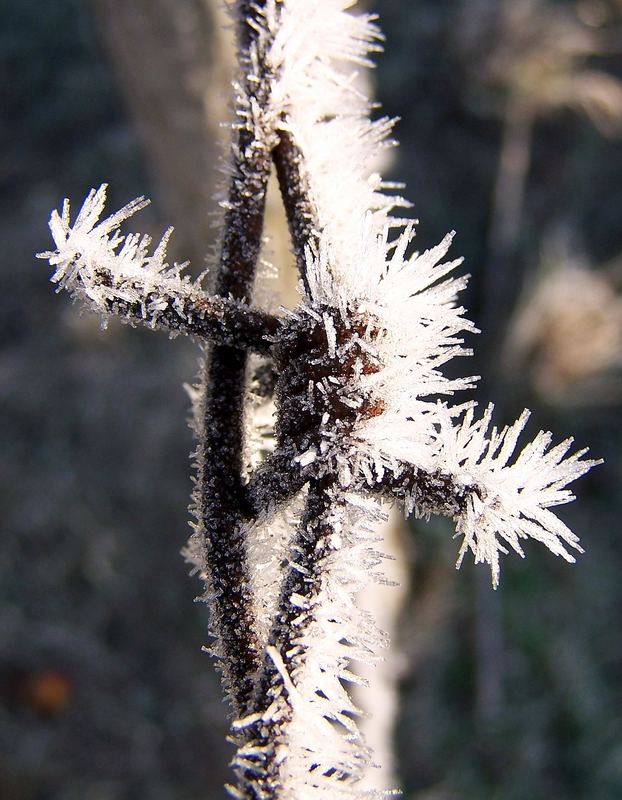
[[104, 693]]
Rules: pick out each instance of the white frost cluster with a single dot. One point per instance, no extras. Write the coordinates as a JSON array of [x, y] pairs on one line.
[[507, 502], [110, 271], [316, 54]]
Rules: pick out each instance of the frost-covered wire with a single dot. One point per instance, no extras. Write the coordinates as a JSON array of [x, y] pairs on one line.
[[364, 409]]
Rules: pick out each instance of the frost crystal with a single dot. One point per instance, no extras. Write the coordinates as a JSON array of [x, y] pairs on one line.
[[284, 535]]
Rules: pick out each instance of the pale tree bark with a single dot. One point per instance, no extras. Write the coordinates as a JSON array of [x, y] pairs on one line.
[[500, 280], [174, 62], [380, 699]]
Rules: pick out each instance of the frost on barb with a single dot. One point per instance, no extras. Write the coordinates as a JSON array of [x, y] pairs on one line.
[[389, 330], [507, 502], [91, 246], [116, 274]]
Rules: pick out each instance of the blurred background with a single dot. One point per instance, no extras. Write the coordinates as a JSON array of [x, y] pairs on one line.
[[510, 131]]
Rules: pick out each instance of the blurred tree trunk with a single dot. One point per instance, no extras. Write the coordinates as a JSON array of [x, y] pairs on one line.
[[501, 277], [174, 61], [379, 697], [509, 194]]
